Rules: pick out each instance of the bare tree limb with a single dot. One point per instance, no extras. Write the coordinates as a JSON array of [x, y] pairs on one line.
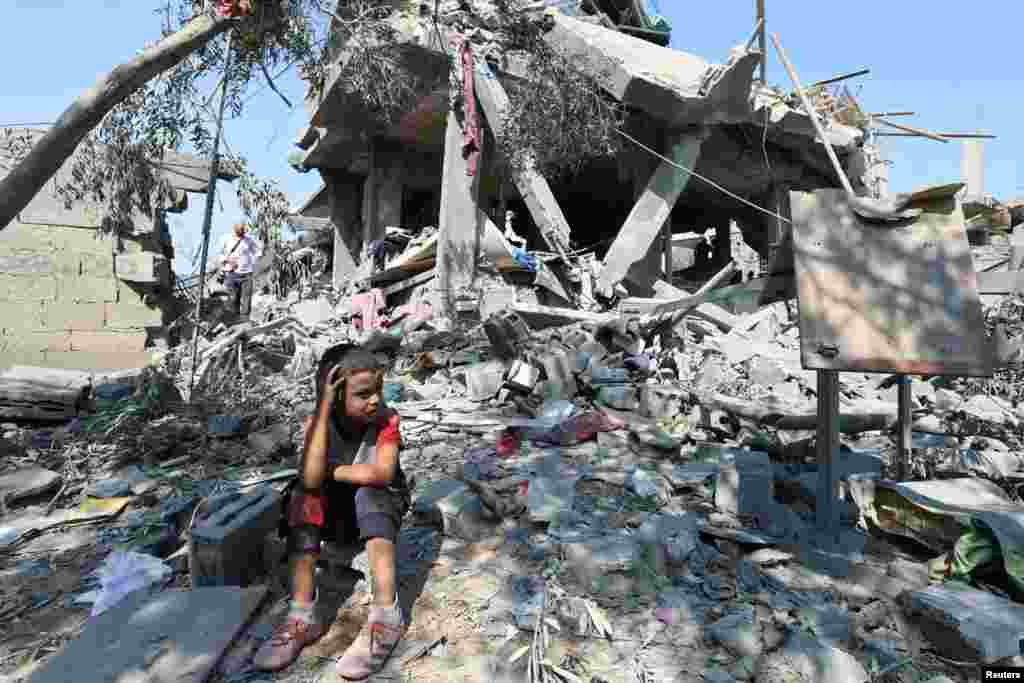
[[270, 82], [59, 142]]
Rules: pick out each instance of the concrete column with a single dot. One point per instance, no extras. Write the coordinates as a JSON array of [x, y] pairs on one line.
[[390, 179], [459, 224], [370, 199], [343, 199], [633, 245]]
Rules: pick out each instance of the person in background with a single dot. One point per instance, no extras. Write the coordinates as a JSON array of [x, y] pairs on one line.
[[350, 486], [239, 254]]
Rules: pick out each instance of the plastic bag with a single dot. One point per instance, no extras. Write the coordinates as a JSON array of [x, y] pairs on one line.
[[124, 572]]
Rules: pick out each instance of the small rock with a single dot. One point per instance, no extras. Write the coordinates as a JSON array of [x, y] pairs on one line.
[[109, 488], [643, 484], [806, 660], [768, 557], [738, 633], [946, 400]]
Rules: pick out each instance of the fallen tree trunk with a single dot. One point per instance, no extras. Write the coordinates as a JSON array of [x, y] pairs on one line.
[[59, 142], [29, 393]]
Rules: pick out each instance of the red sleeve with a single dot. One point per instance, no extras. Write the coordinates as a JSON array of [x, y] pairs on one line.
[[389, 432]]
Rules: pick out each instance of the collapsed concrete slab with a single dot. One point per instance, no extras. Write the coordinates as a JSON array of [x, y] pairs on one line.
[[965, 623], [176, 635], [673, 86]]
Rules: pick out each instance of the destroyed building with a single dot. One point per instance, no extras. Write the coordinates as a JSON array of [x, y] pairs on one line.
[[748, 144], [74, 298]]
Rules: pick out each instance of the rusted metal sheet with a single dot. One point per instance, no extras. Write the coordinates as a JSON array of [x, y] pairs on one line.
[[884, 297]]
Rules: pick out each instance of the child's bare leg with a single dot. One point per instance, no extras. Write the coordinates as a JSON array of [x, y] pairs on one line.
[[304, 577], [381, 553]]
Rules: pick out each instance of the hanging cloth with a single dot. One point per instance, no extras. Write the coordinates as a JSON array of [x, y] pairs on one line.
[[471, 126]]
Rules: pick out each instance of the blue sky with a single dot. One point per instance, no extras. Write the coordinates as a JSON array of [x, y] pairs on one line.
[[955, 68]]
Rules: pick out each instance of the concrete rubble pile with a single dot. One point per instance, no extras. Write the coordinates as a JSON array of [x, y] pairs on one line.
[[614, 458], [670, 481]]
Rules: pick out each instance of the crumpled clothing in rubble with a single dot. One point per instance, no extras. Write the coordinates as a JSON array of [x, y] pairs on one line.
[[366, 308], [471, 127]]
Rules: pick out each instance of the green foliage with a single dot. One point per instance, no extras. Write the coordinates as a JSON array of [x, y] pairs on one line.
[[114, 168], [560, 119]]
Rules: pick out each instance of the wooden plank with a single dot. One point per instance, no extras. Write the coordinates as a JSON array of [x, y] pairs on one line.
[[899, 299], [176, 635], [426, 276], [650, 212]]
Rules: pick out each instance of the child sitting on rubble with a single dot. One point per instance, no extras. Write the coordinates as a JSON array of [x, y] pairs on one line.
[[349, 481]]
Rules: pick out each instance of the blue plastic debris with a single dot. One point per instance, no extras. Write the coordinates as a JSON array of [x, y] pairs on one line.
[[109, 488], [112, 392], [224, 425], [524, 260]]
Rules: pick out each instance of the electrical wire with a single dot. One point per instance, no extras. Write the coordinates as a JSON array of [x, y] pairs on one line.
[[700, 177]]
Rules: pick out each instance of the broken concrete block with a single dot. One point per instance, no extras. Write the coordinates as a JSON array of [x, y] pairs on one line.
[[678, 534], [806, 660], [224, 425], [661, 401], [272, 441], [744, 486], [619, 397], [142, 268], [559, 366], [507, 332], [671, 85], [738, 633], [109, 488], [965, 623], [594, 558], [484, 380], [549, 496], [765, 371], [456, 510], [985, 409], [177, 635], [25, 482], [643, 484], [312, 312], [227, 538]]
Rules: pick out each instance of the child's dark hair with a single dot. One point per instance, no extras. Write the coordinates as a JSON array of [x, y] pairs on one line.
[[351, 358]]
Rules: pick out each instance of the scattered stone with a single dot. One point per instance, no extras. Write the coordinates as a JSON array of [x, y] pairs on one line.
[[738, 633], [26, 482], [224, 425], [109, 488], [966, 624], [271, 442], [806, 660], [768, 557], [459, 513]]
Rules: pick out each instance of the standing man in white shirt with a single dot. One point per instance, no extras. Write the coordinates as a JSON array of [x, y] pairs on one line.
[[238, 258]]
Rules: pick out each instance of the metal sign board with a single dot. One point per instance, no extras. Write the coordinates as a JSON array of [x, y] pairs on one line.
[[887, 297]]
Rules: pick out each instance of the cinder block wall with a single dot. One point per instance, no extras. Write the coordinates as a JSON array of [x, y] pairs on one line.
[[61, 304]]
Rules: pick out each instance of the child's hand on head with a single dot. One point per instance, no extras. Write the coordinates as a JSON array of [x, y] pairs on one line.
[[332, 387]]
